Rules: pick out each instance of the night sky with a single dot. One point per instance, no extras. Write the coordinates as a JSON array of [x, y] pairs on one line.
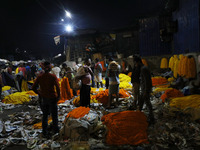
[[31, 24]]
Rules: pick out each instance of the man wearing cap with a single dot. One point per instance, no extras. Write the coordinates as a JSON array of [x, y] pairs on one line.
[[49, 97]]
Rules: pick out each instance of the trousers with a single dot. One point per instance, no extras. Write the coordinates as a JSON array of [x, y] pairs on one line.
[[49, 106]]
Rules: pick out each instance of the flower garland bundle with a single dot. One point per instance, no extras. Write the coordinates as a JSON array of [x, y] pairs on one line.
[[187, 67], [171, 93], [127, 127], [191, 73], [164, 63], [66, 91], [172, 61], [176, 65], [78, 112]]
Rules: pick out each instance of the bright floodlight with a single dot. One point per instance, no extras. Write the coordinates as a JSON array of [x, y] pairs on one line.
[[69, 28], [68, 14], [59, 54], [62, 20]]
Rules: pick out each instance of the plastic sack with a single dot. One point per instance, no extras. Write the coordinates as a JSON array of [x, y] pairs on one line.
[[81, 72], [76, 84]]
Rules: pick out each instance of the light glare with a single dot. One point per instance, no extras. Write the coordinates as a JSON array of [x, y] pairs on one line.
[[69, 28], [68, 14]]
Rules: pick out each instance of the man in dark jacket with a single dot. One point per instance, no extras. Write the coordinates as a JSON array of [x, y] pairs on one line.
[[49, 97], [145, 85]]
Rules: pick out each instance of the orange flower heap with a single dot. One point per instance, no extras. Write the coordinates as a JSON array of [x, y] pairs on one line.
[[156, 81], [171, 93], [127, 127], [78, 112]]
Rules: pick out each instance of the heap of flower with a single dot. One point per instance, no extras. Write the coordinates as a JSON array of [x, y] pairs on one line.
[[127, 127], [124, 81], [158, 81], [78, 112], [6, 88], [95, 90], [171, 93], [191, 101], [18, 97], [102, 96]]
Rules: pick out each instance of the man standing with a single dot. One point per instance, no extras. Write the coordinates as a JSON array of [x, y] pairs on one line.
[[146, 86], [98, 72], [113, 74], [49, 97], [85, 86]]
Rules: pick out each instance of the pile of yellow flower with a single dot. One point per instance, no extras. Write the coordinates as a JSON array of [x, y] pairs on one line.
[[124, 81], [95, 90], [6, 88], [93, 99], [191, 101], [18, 97]]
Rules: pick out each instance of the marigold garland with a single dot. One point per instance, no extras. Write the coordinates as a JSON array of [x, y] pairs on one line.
[[157, 81], [127, 127], [78, 112], [66, 91], [171, 93], [191, 101], [164, 63]]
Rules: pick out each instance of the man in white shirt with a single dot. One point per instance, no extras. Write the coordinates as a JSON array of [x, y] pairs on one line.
[[56, 70]]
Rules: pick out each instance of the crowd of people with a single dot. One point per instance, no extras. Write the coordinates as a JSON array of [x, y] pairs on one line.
[[44, 77]]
